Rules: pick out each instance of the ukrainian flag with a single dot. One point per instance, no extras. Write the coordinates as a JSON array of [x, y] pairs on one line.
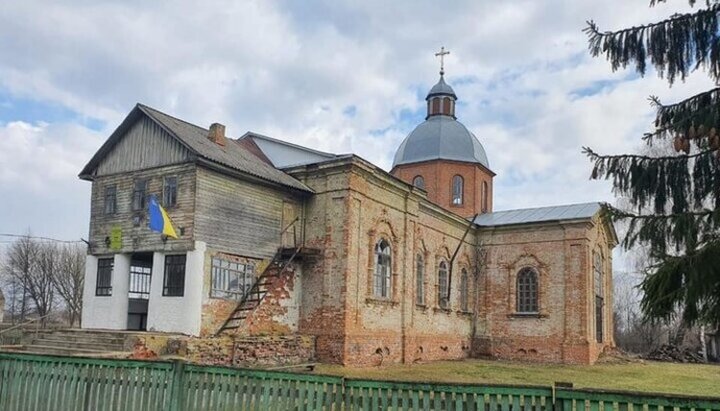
[[159, 220]]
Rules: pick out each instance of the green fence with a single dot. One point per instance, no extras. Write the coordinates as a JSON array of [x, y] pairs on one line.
[[38, 382]]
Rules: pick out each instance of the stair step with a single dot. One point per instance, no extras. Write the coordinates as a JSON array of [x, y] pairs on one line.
[[45, 349], [82, 338], [79, 345]]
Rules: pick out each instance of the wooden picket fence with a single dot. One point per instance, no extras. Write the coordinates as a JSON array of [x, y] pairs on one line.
[[38, 382]]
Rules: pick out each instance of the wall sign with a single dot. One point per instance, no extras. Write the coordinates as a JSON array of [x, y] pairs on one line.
[[115, 238]]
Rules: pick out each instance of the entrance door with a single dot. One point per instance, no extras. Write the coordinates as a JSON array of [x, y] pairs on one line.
[[139, 290]]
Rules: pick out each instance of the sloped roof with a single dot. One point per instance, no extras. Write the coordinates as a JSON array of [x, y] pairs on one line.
[[284, 154], [539, 214], [232, 155]]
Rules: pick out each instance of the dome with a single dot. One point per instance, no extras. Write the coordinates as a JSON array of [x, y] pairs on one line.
[[440, 138], [441, 88]]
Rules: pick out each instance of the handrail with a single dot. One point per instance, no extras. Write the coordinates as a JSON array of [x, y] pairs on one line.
[[25, 323]]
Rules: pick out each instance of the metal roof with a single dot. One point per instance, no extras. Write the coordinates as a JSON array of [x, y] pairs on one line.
[[283, 154], [539, 214], [232, 155], [440, 138], [441, 88]]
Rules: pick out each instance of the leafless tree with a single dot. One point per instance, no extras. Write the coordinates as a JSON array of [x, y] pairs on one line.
[[68, 279], [17, 268]]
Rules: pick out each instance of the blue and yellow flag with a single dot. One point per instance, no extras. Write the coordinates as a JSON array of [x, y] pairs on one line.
[[159, 220]]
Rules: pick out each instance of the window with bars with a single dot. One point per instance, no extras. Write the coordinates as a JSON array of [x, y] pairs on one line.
[[174, 280], [140, 276], [599, 297], [139, 194], [111, 199], [231, 280], [170, 191], [419, 280], [383, 273], [443, 301], [103, 286], [457, 190], [527, 291], [464, 292]]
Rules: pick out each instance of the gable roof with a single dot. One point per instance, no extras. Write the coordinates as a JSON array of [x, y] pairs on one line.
[[539, 214], [283, 154], [194, 138]]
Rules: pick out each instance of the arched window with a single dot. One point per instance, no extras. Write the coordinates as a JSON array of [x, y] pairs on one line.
[[435, 106], [457, 190], [446, 106], [419, 182], [464, 290], [485, 197], [419, 280], [443, 285], [383, 263], [599, 296], [527, 291]]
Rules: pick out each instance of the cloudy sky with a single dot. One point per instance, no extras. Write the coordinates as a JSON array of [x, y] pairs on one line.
[[335, 76]]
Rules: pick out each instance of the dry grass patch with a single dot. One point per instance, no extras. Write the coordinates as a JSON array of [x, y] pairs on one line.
[[688, 379]]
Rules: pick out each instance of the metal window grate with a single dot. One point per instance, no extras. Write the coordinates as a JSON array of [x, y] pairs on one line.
[[527, 291], [103, 287], [231, 280], [443, 285], [140, 276], [174, 281]]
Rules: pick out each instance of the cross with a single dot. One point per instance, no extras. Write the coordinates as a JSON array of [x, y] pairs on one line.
[[442, 53]]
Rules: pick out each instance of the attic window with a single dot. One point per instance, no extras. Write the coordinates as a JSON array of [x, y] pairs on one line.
[[170, 191], [111, 199]]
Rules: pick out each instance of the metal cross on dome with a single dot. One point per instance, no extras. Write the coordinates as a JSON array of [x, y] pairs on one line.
[[442, 53]]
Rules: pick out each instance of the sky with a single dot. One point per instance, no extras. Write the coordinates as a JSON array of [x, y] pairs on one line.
[[332, 75]]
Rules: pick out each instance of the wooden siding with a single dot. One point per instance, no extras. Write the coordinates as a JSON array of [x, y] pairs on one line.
[[238, 216], [138, 237], [145, 145]]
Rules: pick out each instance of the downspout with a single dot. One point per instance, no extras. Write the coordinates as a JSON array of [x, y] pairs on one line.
[[452, 259], [403, 303]]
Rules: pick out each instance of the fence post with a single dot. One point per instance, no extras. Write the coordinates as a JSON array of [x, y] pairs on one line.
[[176, 390]]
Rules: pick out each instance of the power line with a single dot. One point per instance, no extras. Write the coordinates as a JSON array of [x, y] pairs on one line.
[[37, 238]]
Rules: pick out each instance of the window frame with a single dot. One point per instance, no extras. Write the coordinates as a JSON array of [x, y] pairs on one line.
[[110, 206], [419, 279], [484, 191], [174, 290], [382, 281], [419, 179], [443, 301], [527, 277], [106, 289], [222, 270], [457, 197], [599, 291], [139, 201], [174, 191]]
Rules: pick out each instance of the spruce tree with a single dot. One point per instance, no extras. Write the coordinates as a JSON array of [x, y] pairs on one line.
[[673, 198]]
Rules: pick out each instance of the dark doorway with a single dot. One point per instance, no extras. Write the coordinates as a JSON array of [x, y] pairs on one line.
[[139, 290]]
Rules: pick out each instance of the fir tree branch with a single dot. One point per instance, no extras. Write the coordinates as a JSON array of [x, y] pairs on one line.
[[673, 45], [680, 157], [694, 117]]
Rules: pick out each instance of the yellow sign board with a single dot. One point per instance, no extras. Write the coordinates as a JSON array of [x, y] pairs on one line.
[[115, 238]]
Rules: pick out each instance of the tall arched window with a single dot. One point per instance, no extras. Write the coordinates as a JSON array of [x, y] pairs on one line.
[[464, 290], [419, 280], [419, 182], [527, 291], [443, 301], [599, 296], [383, 264], [485, 197], [457, 190]]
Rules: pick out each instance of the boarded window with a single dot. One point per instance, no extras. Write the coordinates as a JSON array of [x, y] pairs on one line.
[[419, 182], [464, 292], [443, 301], [383, 263], [457, 190], [527, 291], [231, 280], [103, 286], [170, 191], [139, 194], [485, 197], [110, 199], [419, 280], [599, 296], [174, 281]]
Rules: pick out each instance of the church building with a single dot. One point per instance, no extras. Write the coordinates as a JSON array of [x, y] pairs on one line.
[[377, 267]]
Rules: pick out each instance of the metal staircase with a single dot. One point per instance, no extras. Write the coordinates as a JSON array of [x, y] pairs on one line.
[[257, 293]]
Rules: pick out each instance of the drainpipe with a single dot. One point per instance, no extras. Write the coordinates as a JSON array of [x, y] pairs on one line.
[[452, 260]]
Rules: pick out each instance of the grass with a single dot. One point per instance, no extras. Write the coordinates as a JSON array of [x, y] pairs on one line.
[[687, 379]]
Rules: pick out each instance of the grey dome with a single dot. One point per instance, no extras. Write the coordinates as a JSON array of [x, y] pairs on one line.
[[441, 88], [440, 138]]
